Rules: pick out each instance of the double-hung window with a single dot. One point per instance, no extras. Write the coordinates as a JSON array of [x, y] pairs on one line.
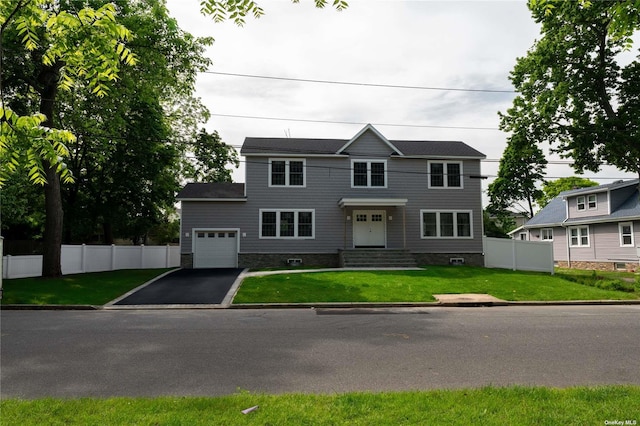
[[546, 234], [590, 202], [287, 223], [579, 236], [626, 234], [446, 224], [445, 174], [369, 174], [285, 172]]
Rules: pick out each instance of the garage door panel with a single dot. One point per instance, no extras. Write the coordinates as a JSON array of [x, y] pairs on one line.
[[216, 249]]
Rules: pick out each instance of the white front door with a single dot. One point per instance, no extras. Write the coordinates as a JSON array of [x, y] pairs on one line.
[[369, 228]]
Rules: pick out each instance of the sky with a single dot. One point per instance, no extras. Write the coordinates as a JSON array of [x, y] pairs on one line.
[[425, 44]]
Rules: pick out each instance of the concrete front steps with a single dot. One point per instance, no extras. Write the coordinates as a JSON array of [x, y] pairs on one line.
[[376, 258]]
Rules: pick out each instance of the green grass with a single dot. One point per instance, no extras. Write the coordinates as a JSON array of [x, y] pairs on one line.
[[486, 406], [82, 289], [416, 286]]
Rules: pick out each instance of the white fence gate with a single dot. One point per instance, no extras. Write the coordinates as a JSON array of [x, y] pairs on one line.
[[518, 255], [78, 259]]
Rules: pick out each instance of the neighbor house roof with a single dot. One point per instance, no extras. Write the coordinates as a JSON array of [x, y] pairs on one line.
[[212, 191], [407, 148], [555, 213]]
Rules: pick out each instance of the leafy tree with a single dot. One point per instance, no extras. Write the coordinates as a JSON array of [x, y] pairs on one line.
[[128, 157], [210, 159], [495, 227], [574, 94], [552, 188], [62, 45], [521, 168]]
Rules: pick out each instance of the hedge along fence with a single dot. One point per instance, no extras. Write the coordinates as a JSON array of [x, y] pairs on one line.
[[78, 259]]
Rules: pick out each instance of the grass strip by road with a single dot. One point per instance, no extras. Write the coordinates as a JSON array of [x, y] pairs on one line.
[[486, 406], [95, 288], [417, 286]]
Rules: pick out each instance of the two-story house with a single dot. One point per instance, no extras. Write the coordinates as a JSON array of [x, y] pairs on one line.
[[592, 228], [324, 201]]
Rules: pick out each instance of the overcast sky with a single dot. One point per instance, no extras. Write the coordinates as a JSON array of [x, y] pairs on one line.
[[437, 44]]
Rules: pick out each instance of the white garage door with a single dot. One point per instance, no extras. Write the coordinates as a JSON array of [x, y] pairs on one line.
[[215, 249]]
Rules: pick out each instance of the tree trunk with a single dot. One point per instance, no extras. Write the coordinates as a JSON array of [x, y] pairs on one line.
[[52, 252], [51, 256], [108, 232]]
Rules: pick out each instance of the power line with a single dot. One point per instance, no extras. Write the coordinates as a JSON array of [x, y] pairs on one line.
[[353, 83], [256, 117]]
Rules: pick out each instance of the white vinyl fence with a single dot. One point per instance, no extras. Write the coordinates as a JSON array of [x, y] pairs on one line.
[[78, 259], [518, 255]]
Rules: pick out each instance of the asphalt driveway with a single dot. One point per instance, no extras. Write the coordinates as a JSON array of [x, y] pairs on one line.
[[186, 287]]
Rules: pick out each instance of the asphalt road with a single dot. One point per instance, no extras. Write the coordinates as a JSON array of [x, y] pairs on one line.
[[218, 352]]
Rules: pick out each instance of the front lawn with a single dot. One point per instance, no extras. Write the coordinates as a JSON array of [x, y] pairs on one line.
[[95, 288], [416, 286], [487, 406]]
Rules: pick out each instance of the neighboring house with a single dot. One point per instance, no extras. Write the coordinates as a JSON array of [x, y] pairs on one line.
[[592, 228], [319, 201]]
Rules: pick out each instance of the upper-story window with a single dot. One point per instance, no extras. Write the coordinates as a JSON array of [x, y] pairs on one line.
[[445, 174], [590, 202], [284, 172], [369, 174]]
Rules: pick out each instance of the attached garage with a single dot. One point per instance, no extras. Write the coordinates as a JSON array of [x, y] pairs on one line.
[[215, 248]]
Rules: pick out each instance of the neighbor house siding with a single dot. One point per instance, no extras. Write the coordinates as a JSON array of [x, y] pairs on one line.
[[602, 207]]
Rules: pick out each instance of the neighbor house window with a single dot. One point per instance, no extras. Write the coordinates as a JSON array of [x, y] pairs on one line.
[[287, 223], [445, 175], [626, 234], [589, 202], [579, 236], [369, 174], [546, 234], [283, 172], [446, 224]]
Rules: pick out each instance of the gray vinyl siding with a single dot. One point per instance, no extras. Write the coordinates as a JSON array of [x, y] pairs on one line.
[[604, 243], [602, 206], [368, 144], [329, 179]]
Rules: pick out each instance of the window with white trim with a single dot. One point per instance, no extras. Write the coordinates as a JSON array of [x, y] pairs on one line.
[[287, 223], [368, 174], [581, 203], [592, 202], [546, 234], [579, 236], [445, 224], [445, 174], [626, 234], [285, 172]]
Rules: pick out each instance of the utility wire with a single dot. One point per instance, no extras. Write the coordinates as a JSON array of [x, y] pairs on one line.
[[353, 83], [255, 117]]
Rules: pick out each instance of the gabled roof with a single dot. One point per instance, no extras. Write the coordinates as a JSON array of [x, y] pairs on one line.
[[555, 213], [223, 191], [331, 147], [375, 131]]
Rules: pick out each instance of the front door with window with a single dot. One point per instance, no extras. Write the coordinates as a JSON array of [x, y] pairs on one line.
[[369, 228]]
